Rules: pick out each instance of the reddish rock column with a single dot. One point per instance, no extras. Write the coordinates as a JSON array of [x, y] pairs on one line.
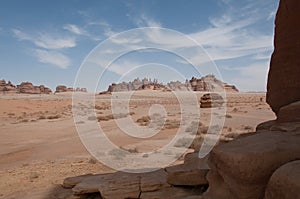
[[284, 75]]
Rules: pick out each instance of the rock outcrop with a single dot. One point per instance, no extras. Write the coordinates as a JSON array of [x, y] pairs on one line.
[[7, 88], [23, 88], [207, 83], [284, 183], [263, 165], [283, 79], [157, 184], [210, 83], [243, 167], [211, 100], [63, 89], [29, 88]]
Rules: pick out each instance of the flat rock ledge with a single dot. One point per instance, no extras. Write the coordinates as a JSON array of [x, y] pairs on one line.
[[172, 182]]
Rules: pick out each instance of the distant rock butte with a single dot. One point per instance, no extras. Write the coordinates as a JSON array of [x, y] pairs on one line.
[[207, 83], [23, 88], [62, 89]]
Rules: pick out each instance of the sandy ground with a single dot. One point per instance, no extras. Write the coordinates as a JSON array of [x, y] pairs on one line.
[[40, 146]]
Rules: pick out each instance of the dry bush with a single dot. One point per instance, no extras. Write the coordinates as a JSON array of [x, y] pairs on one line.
[[197, 143], [51, 117], [197, 129], [172, 124], [24, 120], [111, 117], [183, 142], [144, 121], [130, 150], [42, 117], [92, 118], [228, 116]]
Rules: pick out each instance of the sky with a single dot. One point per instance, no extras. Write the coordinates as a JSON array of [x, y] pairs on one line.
[[46, 42]]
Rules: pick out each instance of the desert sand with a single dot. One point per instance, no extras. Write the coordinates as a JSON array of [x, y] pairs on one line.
[[40, 146]]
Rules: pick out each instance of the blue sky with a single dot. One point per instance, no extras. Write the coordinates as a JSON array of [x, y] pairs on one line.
[[45, 42]]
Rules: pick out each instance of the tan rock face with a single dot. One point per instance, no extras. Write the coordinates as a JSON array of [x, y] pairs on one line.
[[283, 80], [285, 182], [206, 83], [29, 88], [211, 100], [244, 166], [7, 87]]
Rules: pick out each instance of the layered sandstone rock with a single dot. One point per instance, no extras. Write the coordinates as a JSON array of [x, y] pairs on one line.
[[243, 167], [211, 100], [284, 183], [60, 89], [283, 79], [207, 83], [63, 89], [29, 88], [7, 88]]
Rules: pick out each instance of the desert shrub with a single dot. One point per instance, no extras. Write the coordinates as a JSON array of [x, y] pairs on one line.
[[248, 128], [92, 117], [197, 143], [130, 150], [104, 118], [228, 116], [183, 142], [51, 117], [118, 153], [92, 160], [172, 124], [144, 120]]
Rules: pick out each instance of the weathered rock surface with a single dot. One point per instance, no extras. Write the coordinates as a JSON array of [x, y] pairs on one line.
[[62, 89], [187, 174], [118, 185], [211, 100], [72, 181], [29, 88], [171, 193], [207, 83], [242, 168], [192, 173], [289, 113], [283, 80], [285, 182], [7, 88]]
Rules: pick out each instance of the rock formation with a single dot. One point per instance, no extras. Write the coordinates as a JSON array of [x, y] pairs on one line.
[[60, 89], [157, 184], [207, 83], [210, 83], [7, 88], [63, 89], [283, 79], [263, 165], [23, 88], [211, 100], [29, 88]]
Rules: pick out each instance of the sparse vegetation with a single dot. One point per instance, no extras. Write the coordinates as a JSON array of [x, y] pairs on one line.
[[52, 117], [183, 142]]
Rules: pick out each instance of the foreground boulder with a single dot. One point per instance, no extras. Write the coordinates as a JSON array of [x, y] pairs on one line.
[[243, 167], [284, 183], [192, 173]]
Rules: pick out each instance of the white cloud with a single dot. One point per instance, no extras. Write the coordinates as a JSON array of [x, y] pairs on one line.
[[46, 41], [252, 77], [52, 57], [75, 29]]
